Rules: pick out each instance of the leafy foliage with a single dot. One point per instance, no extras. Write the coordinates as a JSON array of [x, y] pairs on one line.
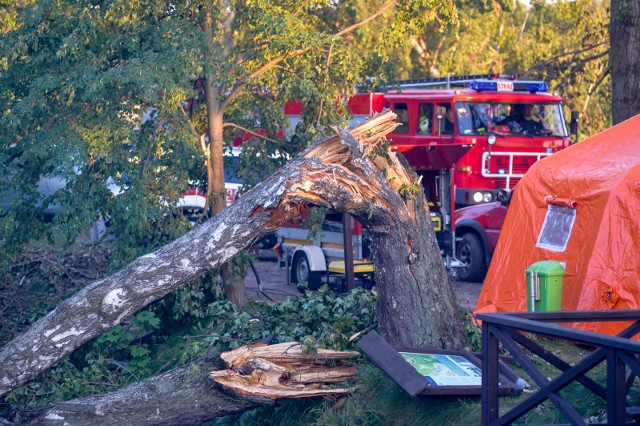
[[313, 222], [318, 319], [134, 350], [564, 43]]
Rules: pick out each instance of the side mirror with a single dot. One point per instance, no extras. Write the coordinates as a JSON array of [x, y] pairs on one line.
[[573, 124], [504, 196]]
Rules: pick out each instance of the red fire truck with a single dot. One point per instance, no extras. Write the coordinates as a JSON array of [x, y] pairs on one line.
[[468, 137], [442, 118]]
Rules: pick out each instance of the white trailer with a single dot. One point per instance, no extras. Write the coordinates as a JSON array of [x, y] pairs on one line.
[[315, 259]]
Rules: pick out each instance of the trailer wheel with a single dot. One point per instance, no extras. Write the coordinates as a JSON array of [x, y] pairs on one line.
[[470, 251], [301, 272]]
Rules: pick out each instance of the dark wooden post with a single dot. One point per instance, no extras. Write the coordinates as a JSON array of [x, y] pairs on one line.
[[348, 251], [490, 375], [616, 389]]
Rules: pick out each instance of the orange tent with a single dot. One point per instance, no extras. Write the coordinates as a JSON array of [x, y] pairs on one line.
[[580, 207]]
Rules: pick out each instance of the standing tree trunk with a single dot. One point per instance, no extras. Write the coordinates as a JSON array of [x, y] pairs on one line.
[[352, 173], [234, 289], [416, 304], [624, 55]]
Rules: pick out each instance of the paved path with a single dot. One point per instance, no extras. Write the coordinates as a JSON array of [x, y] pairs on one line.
[[273, 281]]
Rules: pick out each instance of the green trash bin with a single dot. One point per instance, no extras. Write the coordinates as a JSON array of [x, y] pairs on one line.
[[544, 286]]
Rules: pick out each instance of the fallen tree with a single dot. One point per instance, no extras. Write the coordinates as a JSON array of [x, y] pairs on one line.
[[182, 396], [353, 171], [186, 395]]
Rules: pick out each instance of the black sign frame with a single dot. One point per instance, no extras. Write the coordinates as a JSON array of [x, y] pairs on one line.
[[389, 359]]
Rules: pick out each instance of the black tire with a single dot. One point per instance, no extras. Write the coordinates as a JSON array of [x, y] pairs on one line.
[[471, 252], [301, 272]]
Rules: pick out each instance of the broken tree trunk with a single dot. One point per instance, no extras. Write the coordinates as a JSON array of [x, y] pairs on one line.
[[351, 172], [284, 371], [256, 375]]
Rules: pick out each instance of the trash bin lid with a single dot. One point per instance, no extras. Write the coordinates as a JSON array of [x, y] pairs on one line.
[[549, 268]]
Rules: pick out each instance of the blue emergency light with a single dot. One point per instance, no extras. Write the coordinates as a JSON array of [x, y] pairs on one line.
[[535, 86], [518, 86], [484, 86]]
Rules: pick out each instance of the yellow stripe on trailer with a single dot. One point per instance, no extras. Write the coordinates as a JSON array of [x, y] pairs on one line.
[[359, 267], [332, 246], [297, 242]]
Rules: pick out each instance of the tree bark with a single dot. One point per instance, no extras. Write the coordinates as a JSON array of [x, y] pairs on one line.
[[624, 56], [351, 172], [184, 396]]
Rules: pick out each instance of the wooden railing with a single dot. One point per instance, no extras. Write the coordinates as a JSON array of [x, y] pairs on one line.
[[511, 329]]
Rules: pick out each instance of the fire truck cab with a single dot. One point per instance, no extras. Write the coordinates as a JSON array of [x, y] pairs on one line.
[[504, 124]]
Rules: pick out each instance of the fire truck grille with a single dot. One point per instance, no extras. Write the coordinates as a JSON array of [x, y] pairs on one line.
[[502, 182]]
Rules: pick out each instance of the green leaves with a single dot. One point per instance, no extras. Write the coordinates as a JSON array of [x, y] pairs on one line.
[[319, 318], [563, 43]]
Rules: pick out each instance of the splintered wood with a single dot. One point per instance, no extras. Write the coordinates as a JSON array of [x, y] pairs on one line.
[[284, 371]]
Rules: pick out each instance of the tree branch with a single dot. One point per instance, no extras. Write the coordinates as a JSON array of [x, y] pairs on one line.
[[324, 82], [193, 128], [542, 65], [269, 65], [594, 87], [244, 129]]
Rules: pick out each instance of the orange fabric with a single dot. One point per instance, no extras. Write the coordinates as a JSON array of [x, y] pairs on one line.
[[601, 177]]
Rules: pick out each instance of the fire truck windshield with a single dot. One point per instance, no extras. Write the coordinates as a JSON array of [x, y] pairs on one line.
[[510, 119]]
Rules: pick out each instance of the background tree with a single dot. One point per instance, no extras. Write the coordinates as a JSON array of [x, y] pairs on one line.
[[105, 85], [564, 43], [625, 59]]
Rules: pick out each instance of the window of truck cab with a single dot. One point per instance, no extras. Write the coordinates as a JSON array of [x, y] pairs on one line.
[[402, 112], [425, 118], [479, 118]]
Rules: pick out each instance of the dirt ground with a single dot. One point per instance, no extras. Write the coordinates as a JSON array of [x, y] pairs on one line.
[[273, 282]]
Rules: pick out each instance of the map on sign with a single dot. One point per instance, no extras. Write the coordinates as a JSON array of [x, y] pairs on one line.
[[445, 370]]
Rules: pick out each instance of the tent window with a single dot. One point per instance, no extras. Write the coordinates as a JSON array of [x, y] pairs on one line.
[[557, 227]]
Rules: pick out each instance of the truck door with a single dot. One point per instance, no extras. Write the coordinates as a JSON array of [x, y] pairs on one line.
[[445, 124]]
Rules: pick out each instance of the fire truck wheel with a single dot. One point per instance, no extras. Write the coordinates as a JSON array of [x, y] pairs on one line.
[[470, 251], [301, 273]]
